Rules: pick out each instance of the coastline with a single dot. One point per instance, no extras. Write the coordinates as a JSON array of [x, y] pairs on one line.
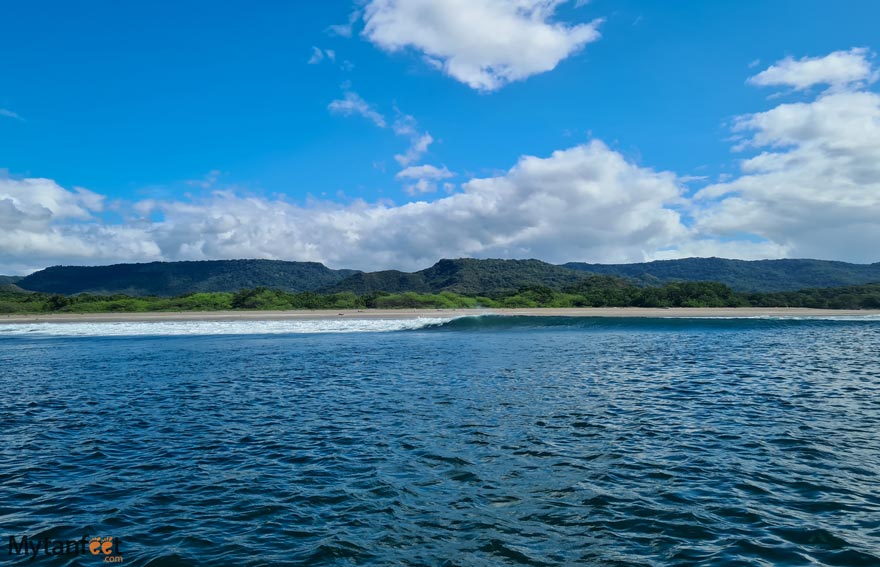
[[646, 312]]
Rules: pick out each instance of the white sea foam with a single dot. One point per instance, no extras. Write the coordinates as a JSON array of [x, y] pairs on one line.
[[172, 328]]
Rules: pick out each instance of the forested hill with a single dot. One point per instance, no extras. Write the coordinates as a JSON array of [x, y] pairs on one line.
[[462, 276], [180, 278], [742, 275], [465, 276]]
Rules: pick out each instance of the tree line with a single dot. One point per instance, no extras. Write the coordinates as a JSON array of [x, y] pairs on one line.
[[591, 292]]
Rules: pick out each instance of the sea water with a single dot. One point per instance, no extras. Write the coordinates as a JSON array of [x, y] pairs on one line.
[[478, 441]]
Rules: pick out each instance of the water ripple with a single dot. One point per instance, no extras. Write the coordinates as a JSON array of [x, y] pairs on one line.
[[632, 443]]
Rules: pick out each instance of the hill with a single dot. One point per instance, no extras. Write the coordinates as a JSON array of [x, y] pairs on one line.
[[742, 275], [391, 281], [464, 276], [11, 288], [180, 278], [468, 276]]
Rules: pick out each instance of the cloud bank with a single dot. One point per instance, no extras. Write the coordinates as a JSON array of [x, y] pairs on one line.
[[583, 202]]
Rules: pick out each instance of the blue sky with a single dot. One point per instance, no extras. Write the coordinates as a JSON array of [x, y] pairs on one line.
[[162, 107]]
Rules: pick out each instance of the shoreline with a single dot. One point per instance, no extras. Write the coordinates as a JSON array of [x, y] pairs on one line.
[[611, 312]]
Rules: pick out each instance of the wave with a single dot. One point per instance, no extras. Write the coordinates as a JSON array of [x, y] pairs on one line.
[[183, 328], [505, 322], [483, 322]]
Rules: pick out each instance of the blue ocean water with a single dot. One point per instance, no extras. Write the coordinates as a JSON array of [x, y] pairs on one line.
[[477, 442]]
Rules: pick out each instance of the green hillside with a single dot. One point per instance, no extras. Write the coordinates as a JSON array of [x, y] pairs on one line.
[[468, 276], [594, 291], [391, 281], [179, 278], [465, 276], [11, 288], [742, 275]]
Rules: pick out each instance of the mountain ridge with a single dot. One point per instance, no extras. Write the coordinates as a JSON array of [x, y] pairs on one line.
[[465, 276], [742, 275], [180, 278]]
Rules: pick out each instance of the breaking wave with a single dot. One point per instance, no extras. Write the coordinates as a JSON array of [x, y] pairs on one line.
[[184, 328], [505, 322], [484, 322]]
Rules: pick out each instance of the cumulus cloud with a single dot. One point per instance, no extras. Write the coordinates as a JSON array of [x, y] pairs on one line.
[[839, 69], [813, 188], [44, 199], [482, 43], [42, 223], [586, 202], [353, 104], [712, 247]]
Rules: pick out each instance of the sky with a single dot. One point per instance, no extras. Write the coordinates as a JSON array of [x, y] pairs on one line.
[[381, 134]]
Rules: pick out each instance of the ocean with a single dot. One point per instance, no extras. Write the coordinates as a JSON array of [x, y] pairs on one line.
[[480, 441]]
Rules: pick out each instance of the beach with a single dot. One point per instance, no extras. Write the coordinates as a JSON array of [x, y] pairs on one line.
[[675, 312]]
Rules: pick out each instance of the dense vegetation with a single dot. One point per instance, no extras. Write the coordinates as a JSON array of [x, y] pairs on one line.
[[742, 275], [463, 276], [596, 291], [179, 278]]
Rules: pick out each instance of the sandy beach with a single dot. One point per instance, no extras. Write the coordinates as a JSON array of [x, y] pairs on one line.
[[433, 313]]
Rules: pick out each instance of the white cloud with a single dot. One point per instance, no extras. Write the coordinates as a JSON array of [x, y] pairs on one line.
[[839, 69], [42, 223], [318, 55], [423, 178], [711, 247], [346, 29], [406, 125], [482, 43], [353, 104], [9, 114], [425, 172], [417, 148], [206, 182], [814, 187], [37, 198], [586, 202], [420, 187]]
